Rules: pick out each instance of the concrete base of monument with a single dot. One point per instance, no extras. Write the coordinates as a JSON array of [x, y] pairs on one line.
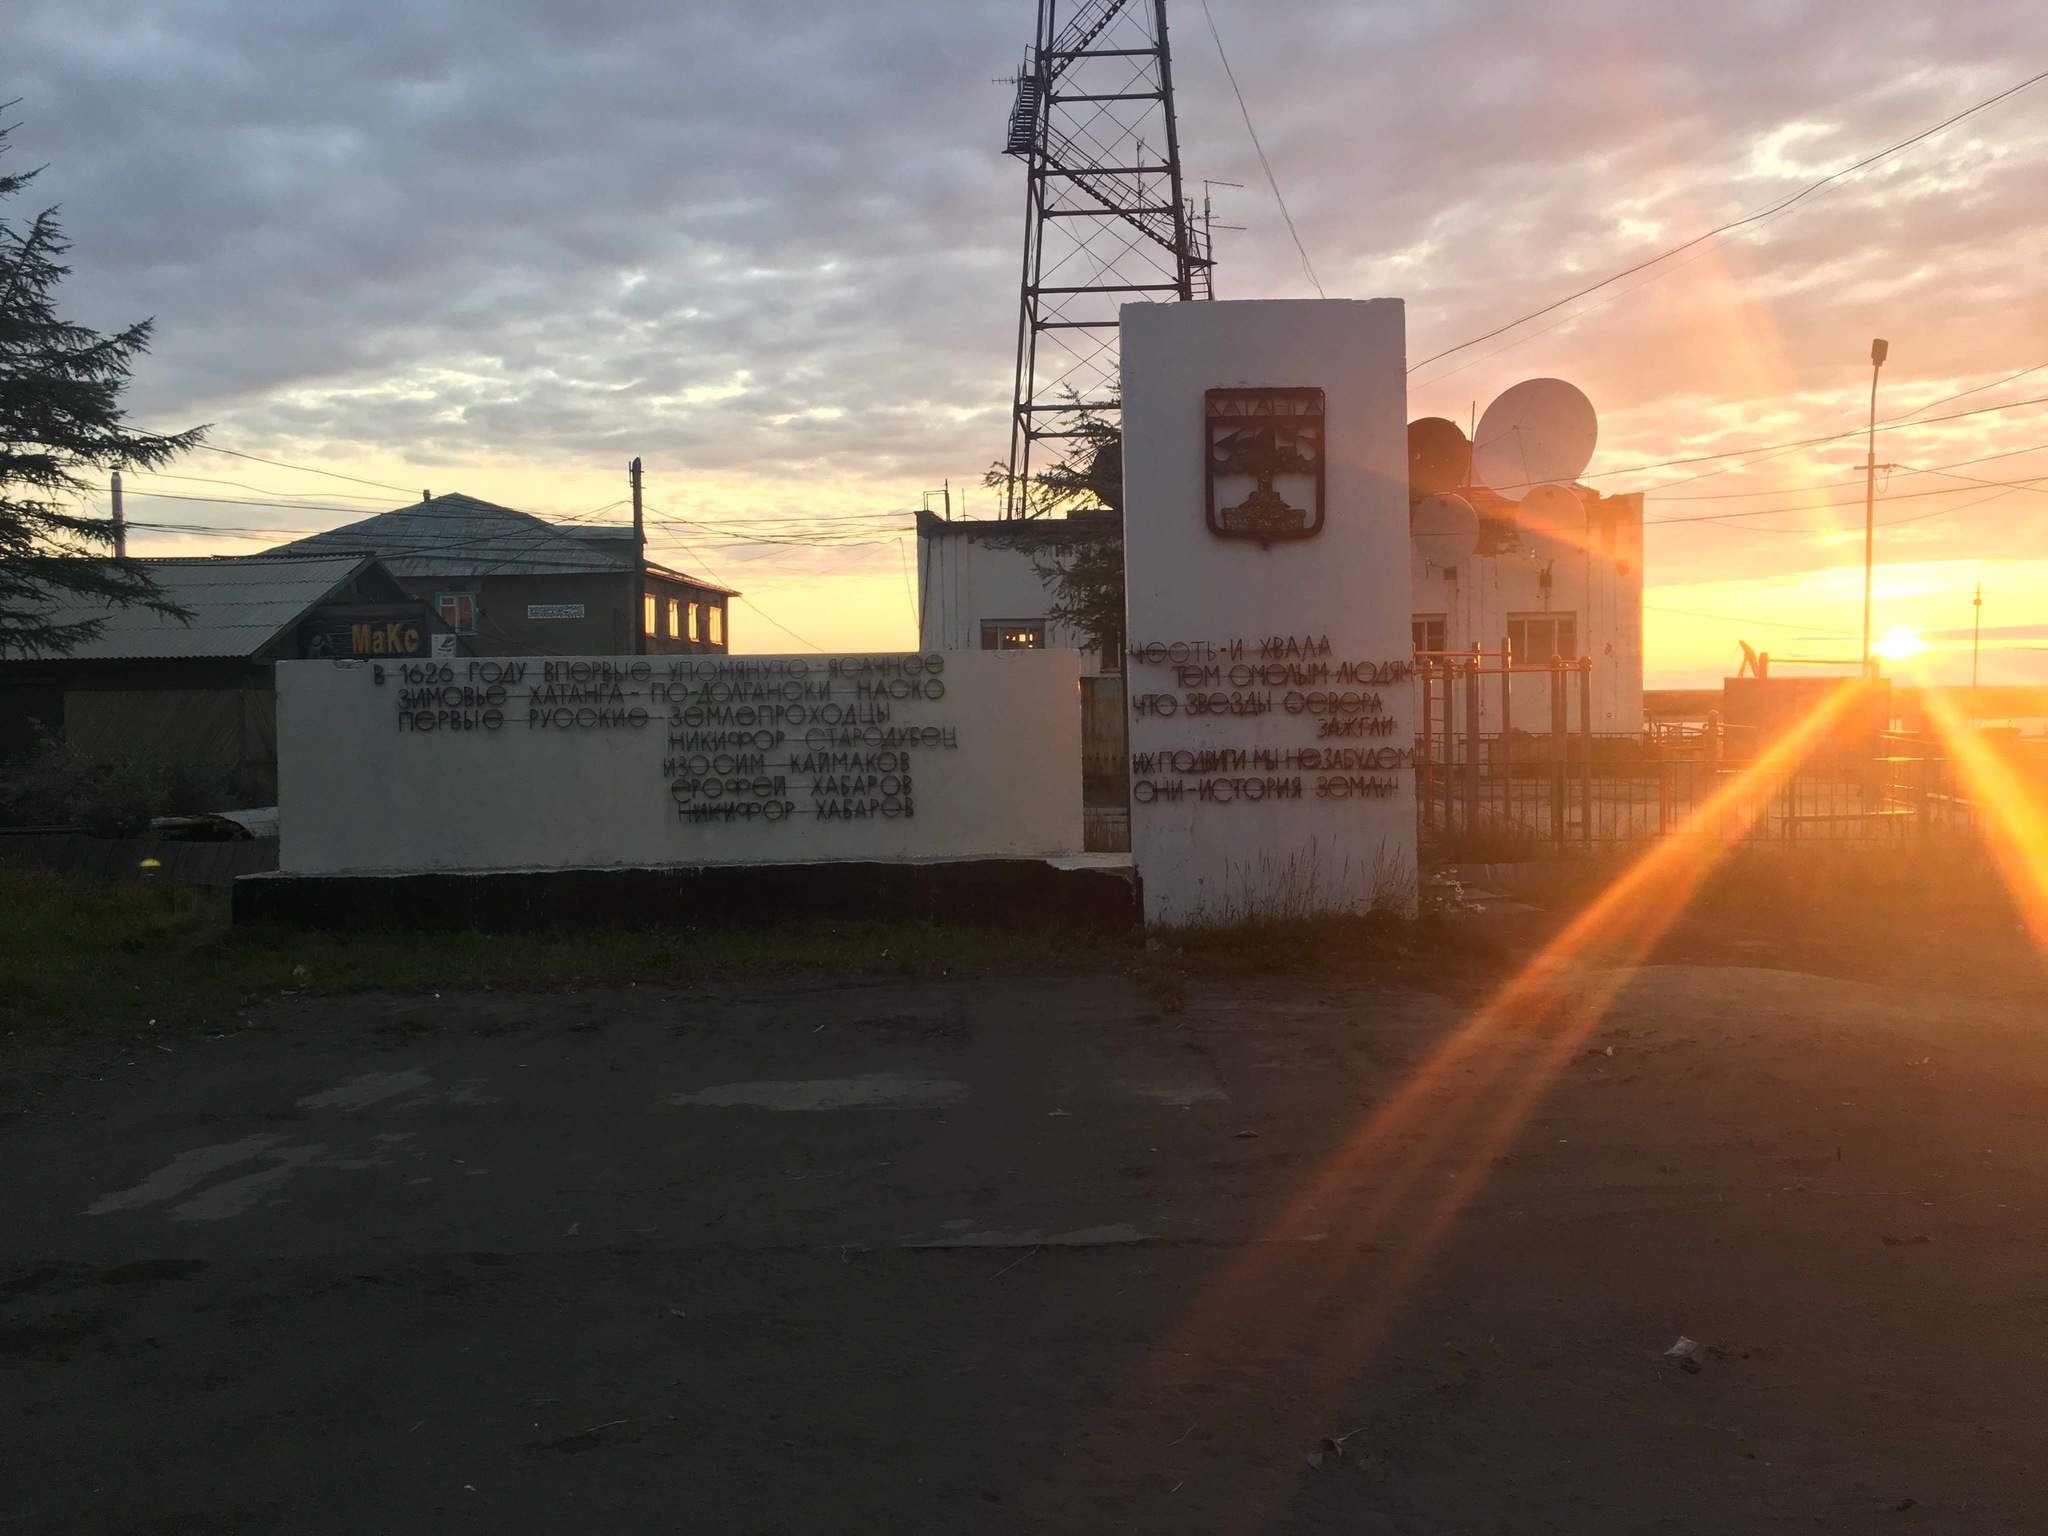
[[1088, 890]]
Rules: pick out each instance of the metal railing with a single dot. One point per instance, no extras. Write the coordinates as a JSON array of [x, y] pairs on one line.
[[1571, 785]]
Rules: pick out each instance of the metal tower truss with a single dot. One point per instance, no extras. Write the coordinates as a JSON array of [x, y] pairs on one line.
[[1106, 221]]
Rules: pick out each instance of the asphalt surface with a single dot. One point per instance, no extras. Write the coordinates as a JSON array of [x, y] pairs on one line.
[[1010, 1255]]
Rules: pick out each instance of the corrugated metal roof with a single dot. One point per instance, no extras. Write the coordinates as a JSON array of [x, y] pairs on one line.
[[239, 604], [458, 535]]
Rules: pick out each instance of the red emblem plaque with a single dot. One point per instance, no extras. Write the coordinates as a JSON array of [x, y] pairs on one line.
[[1265, 463]]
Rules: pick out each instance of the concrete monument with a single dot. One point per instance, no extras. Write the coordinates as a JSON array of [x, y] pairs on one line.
[[1267, 555]]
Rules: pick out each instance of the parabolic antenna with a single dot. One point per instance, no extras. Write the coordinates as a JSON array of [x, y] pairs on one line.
[[1553, 508], [1445, 528], [1438, 456], [1537, 430]]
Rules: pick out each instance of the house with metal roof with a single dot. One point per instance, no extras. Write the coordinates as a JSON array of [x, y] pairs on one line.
[[512, 584], [200, 692]]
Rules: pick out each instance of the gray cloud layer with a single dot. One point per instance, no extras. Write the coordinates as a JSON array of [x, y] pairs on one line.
[[778, 239]]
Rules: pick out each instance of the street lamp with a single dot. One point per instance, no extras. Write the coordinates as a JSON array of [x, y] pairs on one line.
[[1878, 349]]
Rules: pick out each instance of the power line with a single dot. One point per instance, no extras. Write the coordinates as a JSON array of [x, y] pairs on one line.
[[1833, 506], [310, 469], [1768, 211], [1264, 164], [1808, 442], [1730, 618], [1978, 390], [1904, 471]]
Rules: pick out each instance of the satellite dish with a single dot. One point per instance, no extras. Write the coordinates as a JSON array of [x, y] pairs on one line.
[[1551, 508], [1537, 430], [1438, 456], [1444, 528]]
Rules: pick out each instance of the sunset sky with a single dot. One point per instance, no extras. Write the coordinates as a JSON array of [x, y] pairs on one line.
[[772, 248]]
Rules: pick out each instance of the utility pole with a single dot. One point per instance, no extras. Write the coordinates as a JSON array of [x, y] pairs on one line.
[[1976, 634], [120, 521], [640, 565], [1878, 349]]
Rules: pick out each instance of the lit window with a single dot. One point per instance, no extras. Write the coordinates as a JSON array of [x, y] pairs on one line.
[[1429, 633], [693, 622], [717, 623], [675, 619], [997, 636], [457, 610], [1537, 637], [647, 612]]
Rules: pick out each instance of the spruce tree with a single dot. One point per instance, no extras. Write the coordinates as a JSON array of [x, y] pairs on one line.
[[60, 416]]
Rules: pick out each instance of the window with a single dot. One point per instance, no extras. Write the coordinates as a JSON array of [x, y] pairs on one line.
[[1536, 637], [997, 635], [1429, 632], [647, 612], [717, 613], [675, 620], [457, 610], [693, 622]]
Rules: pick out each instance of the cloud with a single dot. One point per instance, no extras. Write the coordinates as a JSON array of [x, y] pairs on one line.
[[775, 244]]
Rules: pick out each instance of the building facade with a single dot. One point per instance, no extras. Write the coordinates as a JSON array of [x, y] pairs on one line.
[[512, 584], [200, 693], [979, 587], [1542, 591]]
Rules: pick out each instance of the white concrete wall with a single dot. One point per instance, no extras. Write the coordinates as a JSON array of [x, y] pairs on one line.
[[964, 580], [603, 761], [1285, 828]]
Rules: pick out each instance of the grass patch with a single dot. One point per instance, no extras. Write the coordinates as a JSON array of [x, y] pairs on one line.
[[83, 961]]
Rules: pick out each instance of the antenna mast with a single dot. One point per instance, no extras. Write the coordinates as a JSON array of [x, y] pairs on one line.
[[1105, 219]]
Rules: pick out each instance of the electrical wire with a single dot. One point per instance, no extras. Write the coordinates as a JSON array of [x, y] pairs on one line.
[[1690, 613], [1835, 506], [1770, 210], [1806, 442], [1904, 471], [310, 469], [1264, 164]]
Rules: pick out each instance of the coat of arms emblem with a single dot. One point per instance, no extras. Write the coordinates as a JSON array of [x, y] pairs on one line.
[[1265, 463]]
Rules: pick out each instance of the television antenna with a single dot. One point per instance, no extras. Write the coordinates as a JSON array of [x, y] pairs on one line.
[[1106, 220]]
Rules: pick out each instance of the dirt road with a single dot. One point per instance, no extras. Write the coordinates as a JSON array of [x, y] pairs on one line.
[[1005, 1255]]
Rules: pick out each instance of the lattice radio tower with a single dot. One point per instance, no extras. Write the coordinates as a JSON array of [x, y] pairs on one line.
[[1105, 219]]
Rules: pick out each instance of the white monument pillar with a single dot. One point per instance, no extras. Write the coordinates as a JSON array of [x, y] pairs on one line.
[[1266, 546]]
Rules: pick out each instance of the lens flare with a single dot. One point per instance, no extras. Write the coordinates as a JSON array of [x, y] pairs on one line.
[[1409, 1171], [2011, 812]]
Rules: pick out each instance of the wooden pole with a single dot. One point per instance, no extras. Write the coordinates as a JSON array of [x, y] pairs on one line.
[[639, 564]]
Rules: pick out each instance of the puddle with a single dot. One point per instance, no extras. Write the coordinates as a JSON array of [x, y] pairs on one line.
[[370, 1088], [875, 1090], [188, 1170]]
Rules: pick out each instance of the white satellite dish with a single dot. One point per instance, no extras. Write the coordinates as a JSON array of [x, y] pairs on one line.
[[1445, 528], [1553, 508], [1538, 430]]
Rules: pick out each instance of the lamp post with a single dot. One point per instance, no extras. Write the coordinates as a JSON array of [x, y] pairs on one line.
[[1878, 349]]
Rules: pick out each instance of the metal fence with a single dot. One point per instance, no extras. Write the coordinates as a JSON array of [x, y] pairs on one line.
[[1570, 784], [1626, 788]]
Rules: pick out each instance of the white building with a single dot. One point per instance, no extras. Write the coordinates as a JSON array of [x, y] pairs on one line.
[[1543, 592], [1546, 592], [978, 588]]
